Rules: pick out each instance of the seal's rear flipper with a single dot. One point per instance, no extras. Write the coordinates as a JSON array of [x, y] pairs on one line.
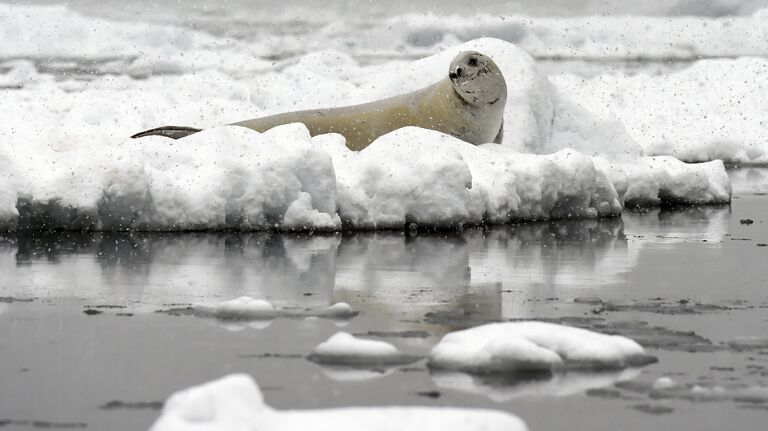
[[173, 132]]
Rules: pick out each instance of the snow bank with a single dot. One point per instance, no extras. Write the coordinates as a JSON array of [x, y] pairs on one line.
[[715, 109], [345, 349], [236, 403], [534, 346]]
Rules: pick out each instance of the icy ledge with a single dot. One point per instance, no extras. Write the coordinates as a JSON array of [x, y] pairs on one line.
[[533, 347], [234, 178], [236, 403]]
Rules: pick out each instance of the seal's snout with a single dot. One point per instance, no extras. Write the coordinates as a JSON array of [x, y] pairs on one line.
[[456, 73]]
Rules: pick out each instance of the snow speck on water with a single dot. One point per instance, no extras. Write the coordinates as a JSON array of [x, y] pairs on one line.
[[236, 403]]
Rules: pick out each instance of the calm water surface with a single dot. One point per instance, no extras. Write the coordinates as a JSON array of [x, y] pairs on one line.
[[687, 283]]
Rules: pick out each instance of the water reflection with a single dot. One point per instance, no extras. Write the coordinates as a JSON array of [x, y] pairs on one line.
[[499, 389], [477, 268]]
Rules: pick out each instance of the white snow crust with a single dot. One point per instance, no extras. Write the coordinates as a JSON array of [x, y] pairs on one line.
[[66, 161], [235, 402], [533, 346]]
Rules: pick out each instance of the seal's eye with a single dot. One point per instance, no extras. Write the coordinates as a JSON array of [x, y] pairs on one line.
[[472, 61]]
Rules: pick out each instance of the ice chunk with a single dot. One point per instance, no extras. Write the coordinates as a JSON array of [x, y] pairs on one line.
[[534, 346], [345, 349], [242, 308], [236, 403]]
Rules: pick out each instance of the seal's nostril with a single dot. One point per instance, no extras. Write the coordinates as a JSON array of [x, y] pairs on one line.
[[453, 75], [459, 70]]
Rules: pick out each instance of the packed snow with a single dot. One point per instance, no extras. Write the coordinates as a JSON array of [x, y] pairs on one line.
[[343, 348], [235, 402], [533, 346], [571, 149]]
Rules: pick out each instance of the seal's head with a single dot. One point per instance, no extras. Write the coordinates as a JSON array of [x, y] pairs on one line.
[[477, 79]]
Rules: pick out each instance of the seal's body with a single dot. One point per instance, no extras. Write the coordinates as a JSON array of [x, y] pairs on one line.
[[468, 104]]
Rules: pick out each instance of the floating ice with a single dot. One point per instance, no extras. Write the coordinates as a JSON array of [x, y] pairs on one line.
[[243, 308], [534, 346], [236, 403], [345, 349], [247, 308], [66, 161]]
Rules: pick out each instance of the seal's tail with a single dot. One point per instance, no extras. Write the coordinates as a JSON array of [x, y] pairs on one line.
[[173, 132]]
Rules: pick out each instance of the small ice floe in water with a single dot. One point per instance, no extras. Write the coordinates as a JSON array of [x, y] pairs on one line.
[[247, 308], [235, 402], [344, 349], [664, 388], [520, 347], [242, 308], [664, 383]]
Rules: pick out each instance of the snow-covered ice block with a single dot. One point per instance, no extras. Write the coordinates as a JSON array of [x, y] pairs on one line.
[[345, 349], [235, 402], [666, 180], [534, 346], [421, 176]]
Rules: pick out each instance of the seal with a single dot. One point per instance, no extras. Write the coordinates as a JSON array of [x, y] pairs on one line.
[[468, 104]]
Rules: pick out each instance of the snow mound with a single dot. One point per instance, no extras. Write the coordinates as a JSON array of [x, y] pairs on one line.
[[235, 402], [345, 349], [534, 346], [247, 308]]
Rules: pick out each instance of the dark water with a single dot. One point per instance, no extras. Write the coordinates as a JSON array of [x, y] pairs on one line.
[[687, 283]]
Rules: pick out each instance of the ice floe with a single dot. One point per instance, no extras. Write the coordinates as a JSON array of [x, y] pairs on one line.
[[235, 402], [344, 349], [534, 347], [248, 308], [67, 162]]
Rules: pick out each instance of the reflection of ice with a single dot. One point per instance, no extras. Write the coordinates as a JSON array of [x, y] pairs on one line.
[[663, 226], [347, 374], [486, 270], [501, 389]]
